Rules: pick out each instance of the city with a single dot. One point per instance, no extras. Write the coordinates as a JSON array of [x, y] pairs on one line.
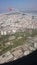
[[18, 35]]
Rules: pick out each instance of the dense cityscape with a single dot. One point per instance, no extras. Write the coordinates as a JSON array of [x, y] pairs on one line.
[[18, 35]]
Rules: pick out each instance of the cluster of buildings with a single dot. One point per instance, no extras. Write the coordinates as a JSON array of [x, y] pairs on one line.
[[16, 53], [20, 51], [10, 23]]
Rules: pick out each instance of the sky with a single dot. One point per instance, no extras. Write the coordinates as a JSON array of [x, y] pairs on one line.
[[18, 4]]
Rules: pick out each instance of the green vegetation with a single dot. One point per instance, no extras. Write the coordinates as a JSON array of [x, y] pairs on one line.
[[4, 38], [34, 33], [5, 49], [16, 42]]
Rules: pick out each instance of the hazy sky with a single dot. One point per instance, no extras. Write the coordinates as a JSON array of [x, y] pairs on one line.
[[18, 4]]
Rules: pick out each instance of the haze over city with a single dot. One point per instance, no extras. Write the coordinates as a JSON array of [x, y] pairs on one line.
[[18, 4]]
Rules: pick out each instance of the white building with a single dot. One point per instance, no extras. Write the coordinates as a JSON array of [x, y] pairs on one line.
[[5, 33], [2, 33], [26, 52], [35, 45]]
